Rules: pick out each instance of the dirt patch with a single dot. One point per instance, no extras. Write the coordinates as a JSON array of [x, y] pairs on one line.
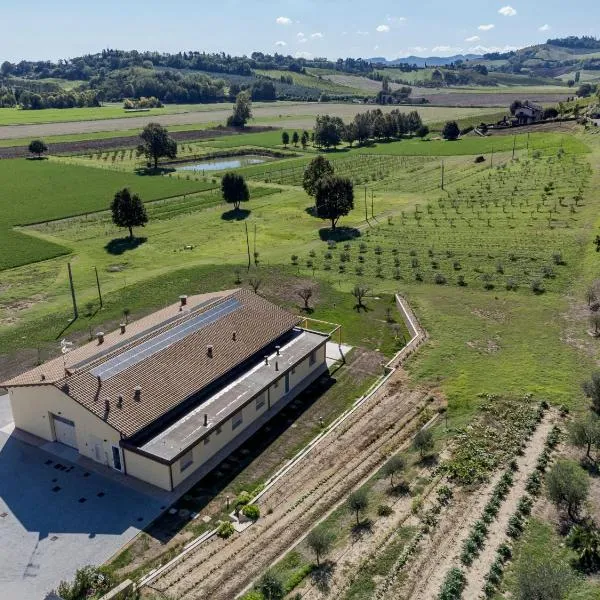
[[484, 346], [131, 141], [558, 127], [489, 315]]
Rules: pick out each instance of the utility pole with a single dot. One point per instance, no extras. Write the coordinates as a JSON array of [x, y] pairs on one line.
[[372, 206], [492, 159], [75, 311], [514, 146], [366, 210], [248, 246], [442, 174], [98, 286]]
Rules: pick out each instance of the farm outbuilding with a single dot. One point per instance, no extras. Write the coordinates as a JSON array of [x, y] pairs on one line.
[[174, 393], [529, 113]]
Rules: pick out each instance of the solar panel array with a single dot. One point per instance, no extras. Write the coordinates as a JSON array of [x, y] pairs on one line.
[[135, 355]]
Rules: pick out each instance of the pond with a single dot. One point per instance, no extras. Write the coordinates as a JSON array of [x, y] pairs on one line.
[[221, 164]]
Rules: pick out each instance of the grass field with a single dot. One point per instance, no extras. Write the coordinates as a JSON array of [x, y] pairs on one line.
[[34, 191]]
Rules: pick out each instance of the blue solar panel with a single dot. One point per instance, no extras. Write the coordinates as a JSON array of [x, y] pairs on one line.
[[131, 357]]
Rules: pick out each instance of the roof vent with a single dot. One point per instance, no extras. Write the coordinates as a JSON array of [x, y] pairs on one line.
[[209, 351], [277, 349], [266, 360], [234, 336], [42, 377], [107, 404], [205, 420], [99, 380], [183, 299], [119, 401], [137, 393], [100, 336], [123, 327], [276, 365]]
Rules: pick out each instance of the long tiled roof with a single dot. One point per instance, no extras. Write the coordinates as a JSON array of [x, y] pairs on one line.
[[168, 375]]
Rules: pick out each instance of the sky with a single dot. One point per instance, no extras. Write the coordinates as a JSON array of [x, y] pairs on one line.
[[43, 30]]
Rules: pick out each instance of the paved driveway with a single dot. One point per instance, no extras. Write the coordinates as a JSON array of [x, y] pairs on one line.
[[56, 516]]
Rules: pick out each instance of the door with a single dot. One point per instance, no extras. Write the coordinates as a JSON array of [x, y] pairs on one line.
[[117, 464], [64, 431]]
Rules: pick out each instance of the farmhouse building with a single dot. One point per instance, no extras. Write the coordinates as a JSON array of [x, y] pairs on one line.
[[174, 393], [529, 113]]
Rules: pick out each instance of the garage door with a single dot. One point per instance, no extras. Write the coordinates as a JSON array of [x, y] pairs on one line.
[[64, 430]]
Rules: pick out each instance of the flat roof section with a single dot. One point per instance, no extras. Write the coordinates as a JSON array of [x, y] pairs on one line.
[[188, 430]]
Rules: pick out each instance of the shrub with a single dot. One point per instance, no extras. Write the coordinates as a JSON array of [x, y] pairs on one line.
[[225, 529], [251, 511], [89, 582], [504, 552], [461, 281], [524, 506], [511, 285], [453, 585], [480, 159], [568, 486], [383, 510], [444, 494], [534, 484], [439, 279], [537, 287], [243, 499]]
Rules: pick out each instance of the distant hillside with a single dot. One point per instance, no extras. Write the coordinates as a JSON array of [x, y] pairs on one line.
[[430, 61]]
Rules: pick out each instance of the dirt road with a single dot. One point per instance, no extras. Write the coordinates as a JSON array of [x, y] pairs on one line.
[[220, 569]]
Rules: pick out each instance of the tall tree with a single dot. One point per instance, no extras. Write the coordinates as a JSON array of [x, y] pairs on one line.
[[451, 131], [242, 111], [38, 147], [585, 433], [334, 198], [357, 502], [423, 441], [157, 143], [295, 138], [304, 139], [271, 586], [234, 189], [393, 466], [317, 169], [285, 138], [328, 131], [128, 211], [319, 540], [591, 388]]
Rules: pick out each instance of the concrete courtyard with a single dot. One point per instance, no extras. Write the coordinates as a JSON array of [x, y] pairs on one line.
[[56, 515]]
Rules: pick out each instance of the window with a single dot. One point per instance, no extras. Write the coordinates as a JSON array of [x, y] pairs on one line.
[[260, 402], [237, 420], [313, 358], [116, 458], [186, 460], [207, 440]]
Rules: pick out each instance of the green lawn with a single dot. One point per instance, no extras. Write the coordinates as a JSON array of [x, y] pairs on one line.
[[35, 191]]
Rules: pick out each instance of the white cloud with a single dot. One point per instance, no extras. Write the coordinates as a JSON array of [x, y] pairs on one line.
[[376, 47], [486, 27], [473, 38], [306, 55], [417, 49], [283, 21], [280, 43], [362, 33], [447, 50], [487, 49], [507, 11], [301, 38], [545, 27], [383, 28], [317, 36], [396, 20]]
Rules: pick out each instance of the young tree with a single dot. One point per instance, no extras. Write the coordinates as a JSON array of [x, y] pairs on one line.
[[567, 486], [357, 502], [38, 147], [585, 433], [306, 294], [360, 292], [128, 211], [328, 131], [271, 586], [319, 540], [334, 198], [285, 138], [255, 284], [585, 540], [541, 576], [591, 389], [393, 466], [234, 189], [451, 131], [304, 139], [242, 111], [157, 143], [317, 169], [423, 441], [295, 138]]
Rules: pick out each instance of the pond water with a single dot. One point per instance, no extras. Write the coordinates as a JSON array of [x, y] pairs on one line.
[[221, 164]]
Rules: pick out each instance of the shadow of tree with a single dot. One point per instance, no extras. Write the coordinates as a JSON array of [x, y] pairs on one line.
[[152, 172], [400, 489], [429, 460], [36, 158], [339, 234], [361, 529], [239, 214], [363, 307], [122, 245], [322, 576]]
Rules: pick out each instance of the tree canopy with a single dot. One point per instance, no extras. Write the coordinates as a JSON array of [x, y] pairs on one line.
[[567, 486], [38, 147], [234, 189], [334, 198], [128, 211], [451, 131], [357, 502], [319, 540], [317, 169], [156, 143], [242, 111], [328, 131]]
